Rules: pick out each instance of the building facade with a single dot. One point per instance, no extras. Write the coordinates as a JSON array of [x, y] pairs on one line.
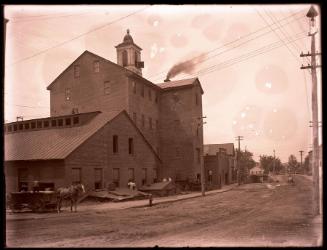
[[166, 116], [219, 164]]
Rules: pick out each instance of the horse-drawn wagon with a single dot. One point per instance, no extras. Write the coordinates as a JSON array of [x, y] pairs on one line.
[[36, 201]]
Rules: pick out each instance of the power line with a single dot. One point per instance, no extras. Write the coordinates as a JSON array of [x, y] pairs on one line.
[[76, 37], [273, 18], [26, 106], [242, 58], [271, 45], [53, 17], [261, 16], [236, 40]]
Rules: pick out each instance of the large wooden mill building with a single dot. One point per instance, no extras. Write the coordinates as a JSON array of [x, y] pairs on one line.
[[108, 124]]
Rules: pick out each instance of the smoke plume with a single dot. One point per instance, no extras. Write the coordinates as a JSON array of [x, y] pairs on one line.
[[185, 67]]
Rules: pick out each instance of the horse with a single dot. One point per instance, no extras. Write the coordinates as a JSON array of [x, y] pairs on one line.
[[71, 193]]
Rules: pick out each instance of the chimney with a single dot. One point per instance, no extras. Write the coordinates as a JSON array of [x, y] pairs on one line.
[[166, 80]]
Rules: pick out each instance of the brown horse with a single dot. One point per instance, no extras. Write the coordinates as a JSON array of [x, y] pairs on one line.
[[71, 193]]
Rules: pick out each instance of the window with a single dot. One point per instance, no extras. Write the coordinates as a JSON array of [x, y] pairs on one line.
[[198, 153], [96, 66], [150, 122], [68, 121], [9, 128], [116, 176], [143, 121], [67, 94], [46, 124], [15, 127], [131, 176], [115, 144], [134, 86], [150, 95], [196, 99], [39, 124], [98, 178], [60, 122], [76, 175], [144, 176], [20, 126], [130, 146], [134, 118], [197, 131], [142, 90], [26, 126], [76, 120], [125, 58], [33, 125], [53, 123], [106, 87], [76, 71]]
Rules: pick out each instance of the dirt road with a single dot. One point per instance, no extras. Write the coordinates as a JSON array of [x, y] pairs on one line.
[[250, 215]]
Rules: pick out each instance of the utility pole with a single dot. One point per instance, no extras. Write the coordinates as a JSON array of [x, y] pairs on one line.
[[301, 152], [240, 169], [312, 13], [200, 124], [274, 163]]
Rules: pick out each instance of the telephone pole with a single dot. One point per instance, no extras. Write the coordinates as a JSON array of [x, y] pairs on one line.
[[200, 124], [274, 163], [240, 168], [301, 152], [312, 13]]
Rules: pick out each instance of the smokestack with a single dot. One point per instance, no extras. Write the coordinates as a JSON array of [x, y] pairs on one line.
[[166, 80]]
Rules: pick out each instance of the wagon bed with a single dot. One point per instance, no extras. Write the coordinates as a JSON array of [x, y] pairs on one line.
[[36, 201]]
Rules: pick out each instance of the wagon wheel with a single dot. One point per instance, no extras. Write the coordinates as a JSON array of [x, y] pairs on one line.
[[38, 205]]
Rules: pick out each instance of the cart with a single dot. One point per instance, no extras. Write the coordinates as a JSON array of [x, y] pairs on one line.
[[41, 201]]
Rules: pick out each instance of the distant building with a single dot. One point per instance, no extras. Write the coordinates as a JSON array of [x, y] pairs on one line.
[[128, 127], [256, 174], [219, 164]]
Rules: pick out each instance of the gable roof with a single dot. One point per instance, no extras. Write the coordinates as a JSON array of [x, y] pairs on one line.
[[213, 149], [123, 69], [180, 84], [56, 143]]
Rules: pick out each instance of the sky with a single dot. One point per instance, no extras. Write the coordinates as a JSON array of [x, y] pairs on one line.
[[247, 57]]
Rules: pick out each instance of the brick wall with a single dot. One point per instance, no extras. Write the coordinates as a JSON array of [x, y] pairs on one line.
[[178, 139], [220, 165]]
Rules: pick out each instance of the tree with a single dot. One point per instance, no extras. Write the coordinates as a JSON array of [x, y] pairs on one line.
[[292, 164], [245, 163], [267, 163]]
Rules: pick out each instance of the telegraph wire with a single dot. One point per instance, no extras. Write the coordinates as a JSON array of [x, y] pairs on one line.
[[305, 84], [243, 57], [261, 16], [53, 17], [273, 18], [236, 40], [77, 37], [257, 50]]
